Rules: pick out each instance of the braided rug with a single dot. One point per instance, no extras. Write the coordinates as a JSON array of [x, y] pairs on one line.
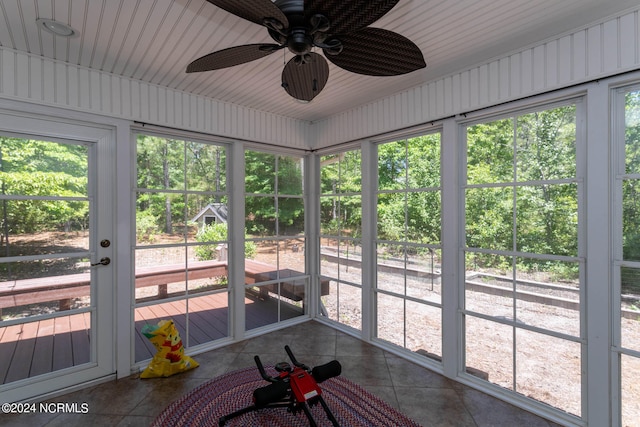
[[203, 406]]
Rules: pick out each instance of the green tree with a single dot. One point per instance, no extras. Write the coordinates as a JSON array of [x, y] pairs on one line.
[[217, 234], [42, 168], [514, 163], [408, 181], [269, 177]]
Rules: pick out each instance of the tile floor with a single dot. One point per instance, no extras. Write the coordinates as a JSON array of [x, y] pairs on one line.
[[427, 397]]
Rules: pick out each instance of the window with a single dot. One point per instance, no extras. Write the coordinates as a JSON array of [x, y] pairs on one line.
[[275, 270], [408, 290], [341, 238], [627, 252], [522, 290], [180, 259]]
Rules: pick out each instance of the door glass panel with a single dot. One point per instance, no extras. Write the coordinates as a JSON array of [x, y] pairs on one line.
[[45, 279]]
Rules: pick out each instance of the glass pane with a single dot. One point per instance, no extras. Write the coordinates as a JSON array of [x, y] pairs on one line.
[[350, 262], [546, 148], [42, 168], [490, 152], [424, 330], [151, 315], [547, 219], [260, 216], [293, 296], [548, 369], [631, 220], [272, 303], [161, 163], [391, 268], [424, 161], [160, 273], [208, 318], [489, 351], [423, 274], [160, 218], [630, 366], [548, 295], [630, 308], [290, 216], [290, 175], [266, 252], [392, 216], [329, 173], [424, 217], [33, 288], [632, 132], [59, 343], [329, 216], [204, 212], [291, 255], [350, 172], [329, 257], [260, 172], [391, 320], [38, 227], [206, 167], [489, 218], [489, 285], [391, 255], [350, 214], [343, 304], [392, 166]]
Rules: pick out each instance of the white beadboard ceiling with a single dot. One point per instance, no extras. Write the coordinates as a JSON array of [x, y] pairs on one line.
[[154, 40]]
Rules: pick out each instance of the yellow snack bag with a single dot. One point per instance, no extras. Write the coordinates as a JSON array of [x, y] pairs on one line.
[[170, 358]]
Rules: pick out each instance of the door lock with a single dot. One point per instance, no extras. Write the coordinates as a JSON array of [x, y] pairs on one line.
[[103, 261]]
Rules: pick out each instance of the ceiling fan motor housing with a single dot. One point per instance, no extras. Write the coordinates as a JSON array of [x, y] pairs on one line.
[[296, 38]]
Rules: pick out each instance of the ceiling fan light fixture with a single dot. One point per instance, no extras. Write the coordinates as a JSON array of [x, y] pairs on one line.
[[55, 27]]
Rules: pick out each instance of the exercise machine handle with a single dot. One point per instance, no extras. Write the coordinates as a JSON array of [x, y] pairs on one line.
[[263, 373], [294, 360]]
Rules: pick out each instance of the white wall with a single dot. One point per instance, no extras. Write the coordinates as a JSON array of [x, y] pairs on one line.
[[599, 50], [31, 78]]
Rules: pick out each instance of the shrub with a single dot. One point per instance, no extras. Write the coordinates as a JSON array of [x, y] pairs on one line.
[[217, 232]]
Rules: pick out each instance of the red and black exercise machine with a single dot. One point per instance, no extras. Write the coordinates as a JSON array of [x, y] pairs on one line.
[[295, 388]]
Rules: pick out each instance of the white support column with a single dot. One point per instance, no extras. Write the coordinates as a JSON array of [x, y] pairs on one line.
[[597, 239], [235, 184], [124, 237], [312, 231], [452, 330], [369, 165]]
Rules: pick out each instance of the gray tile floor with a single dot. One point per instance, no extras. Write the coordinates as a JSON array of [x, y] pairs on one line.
[[427, 397]]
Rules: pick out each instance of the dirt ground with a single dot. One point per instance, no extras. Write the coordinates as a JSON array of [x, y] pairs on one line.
[[547, 368]]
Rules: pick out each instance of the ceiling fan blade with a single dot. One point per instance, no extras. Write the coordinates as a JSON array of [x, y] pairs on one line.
[[348, 16], [304, 80], [253, 10], [232, 56], [377, 52]]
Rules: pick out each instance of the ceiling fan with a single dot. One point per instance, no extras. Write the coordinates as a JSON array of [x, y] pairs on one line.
[[338, 27]]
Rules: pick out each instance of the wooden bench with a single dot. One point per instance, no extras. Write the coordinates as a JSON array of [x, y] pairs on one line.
[[256, 271], [16, 293]]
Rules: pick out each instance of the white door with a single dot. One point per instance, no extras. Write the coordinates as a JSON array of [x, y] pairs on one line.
[[56, 254]]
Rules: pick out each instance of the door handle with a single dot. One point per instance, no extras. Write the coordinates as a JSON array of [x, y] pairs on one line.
[[103, 261]]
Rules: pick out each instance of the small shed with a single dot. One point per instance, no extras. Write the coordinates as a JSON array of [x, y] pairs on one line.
[[210, 214]]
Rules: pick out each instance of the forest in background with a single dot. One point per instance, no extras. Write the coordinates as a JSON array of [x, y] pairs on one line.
[[177, 179]]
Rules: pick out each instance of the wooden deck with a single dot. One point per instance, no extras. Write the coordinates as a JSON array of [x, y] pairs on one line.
[[47, 345]]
